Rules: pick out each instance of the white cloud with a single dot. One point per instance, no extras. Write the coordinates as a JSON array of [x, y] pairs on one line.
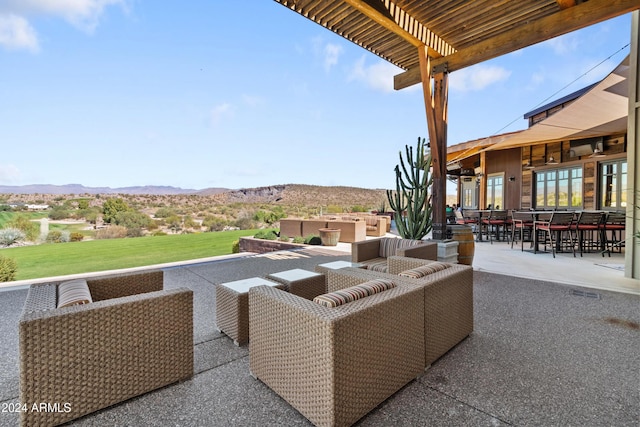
[[477, 77], [564, 44], [252, 101], [328, 53], [83, 14], [9, 174], [17, 34], [220, 112], [378, 76], [331, 54]]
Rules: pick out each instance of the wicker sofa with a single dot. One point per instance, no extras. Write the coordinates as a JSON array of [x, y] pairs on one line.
[[448, 300], [324, 361], [373, 253], [133, 338]]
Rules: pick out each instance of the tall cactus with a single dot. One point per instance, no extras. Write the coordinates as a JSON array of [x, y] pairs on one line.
[[412, 194]]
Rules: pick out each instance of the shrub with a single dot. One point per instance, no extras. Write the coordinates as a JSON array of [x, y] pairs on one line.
[[8, 269], [9, 236], [245, 223], [76, 237], [312, 240], [214, 223], [283, 238], [159, 233], [112, 232], [23, 223], [57, 236], [235, 247], [132, 220], [298, 239], [164, 213], [266, 235], [59, 212]]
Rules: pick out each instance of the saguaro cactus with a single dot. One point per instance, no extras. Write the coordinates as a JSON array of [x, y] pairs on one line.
[[411, 200]]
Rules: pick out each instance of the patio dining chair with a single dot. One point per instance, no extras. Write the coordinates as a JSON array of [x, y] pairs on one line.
[[613, 228], [493, 222], [553, 231], [589, 231], [521, 222]]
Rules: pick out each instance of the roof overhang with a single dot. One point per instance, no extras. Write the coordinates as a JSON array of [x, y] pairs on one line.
[[601, 111], [457, 33], [464, 150]]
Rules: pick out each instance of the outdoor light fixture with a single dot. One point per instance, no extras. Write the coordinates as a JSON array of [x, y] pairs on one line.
[[597, 153], [528, 165], [454, 166], [552, 161]]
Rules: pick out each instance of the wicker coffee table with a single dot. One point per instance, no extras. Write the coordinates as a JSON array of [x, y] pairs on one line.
[[232, 307], [303, 283]]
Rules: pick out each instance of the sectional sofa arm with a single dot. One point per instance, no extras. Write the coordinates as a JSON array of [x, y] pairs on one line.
[[364, 250], [426, 250], [116, 286]]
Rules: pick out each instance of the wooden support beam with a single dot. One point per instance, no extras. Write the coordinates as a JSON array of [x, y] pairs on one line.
[[393, 18], [435, 93], [565, 21]]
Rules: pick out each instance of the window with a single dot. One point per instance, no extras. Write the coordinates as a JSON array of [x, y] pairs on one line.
[[613, 185], [495, 191], [559, 188]]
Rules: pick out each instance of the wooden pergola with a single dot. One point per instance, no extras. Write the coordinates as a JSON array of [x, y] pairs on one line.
[[430, 38]]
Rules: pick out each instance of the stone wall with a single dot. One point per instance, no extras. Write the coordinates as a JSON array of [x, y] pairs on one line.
[[260, 246]]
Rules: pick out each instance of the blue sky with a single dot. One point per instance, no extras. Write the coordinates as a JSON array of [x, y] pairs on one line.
[[240, 94]]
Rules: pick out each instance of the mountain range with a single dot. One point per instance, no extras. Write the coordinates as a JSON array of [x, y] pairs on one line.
[[81, 189]]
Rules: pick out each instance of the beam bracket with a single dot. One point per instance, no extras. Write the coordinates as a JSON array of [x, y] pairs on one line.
[[440, 68]]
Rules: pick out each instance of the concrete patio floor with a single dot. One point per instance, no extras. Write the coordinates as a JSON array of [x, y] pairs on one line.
[[542, 353]]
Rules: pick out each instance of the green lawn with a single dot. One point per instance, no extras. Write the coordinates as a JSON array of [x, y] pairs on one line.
[[97, 255]]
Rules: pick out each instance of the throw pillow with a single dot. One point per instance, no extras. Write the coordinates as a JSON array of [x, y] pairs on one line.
[[343, 296], [418, 272], [73, 292]]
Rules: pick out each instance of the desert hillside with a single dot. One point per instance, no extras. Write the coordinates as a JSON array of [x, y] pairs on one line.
[[285, 195]]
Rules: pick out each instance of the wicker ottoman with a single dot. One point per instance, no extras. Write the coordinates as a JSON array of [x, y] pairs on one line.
[[232, 307], [303, 283]]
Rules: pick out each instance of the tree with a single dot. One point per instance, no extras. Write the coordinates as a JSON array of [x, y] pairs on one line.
[[111, 207]]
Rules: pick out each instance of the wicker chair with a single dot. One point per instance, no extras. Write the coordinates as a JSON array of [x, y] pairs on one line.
[[448, 300], [334, 365], [133, 338], [373, 253]]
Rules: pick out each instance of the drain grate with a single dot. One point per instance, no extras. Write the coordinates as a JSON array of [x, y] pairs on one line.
[[579, 293]]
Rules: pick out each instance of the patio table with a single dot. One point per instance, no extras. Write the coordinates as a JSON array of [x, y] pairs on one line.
[[303, 283], [232, 307]]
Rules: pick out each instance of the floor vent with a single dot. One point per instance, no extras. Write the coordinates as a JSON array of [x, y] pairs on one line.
[[578, 293]]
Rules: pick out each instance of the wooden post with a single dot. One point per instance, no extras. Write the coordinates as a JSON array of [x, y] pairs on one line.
[[435, 100], [632, 251]]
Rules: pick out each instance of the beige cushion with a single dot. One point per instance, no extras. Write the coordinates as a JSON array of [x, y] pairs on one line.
[[376, 264], [418, 272], [390, 245], [343, 296], [73, 292]]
